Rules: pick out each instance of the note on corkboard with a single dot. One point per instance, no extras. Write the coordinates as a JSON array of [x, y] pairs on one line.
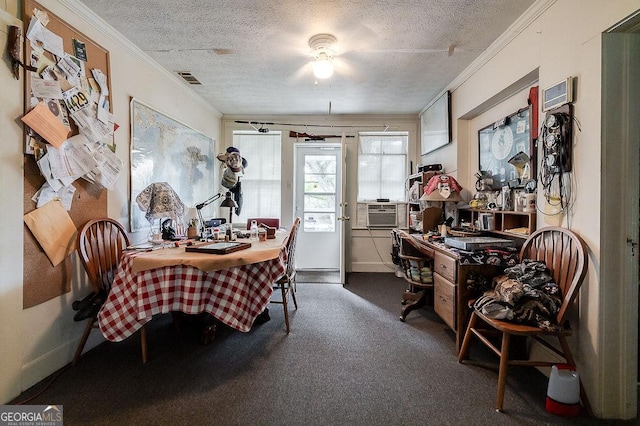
[[42, 281]]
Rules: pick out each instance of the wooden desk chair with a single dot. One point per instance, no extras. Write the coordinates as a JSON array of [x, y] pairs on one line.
[[564, 253], [418, 272], [287, 283], [100, 246]]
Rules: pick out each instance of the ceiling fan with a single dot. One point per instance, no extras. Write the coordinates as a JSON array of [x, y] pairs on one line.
[[326, 59], [322, 46]]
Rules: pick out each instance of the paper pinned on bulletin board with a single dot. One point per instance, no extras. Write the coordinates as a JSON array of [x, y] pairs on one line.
[[47, 125], [52, 226]]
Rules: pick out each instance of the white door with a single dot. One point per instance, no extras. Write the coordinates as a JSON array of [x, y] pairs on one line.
[[344, 219], [317, 199]]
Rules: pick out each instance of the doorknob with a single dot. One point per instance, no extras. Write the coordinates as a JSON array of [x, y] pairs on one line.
[[633, 246], [344, 218]]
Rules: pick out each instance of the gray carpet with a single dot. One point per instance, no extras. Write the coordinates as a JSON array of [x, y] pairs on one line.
[[348, 360]]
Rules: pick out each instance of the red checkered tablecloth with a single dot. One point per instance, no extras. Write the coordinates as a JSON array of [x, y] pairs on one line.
[[235, 296]]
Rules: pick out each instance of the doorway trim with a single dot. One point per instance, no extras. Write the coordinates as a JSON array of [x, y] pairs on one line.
[[339, 149], [618, 292]]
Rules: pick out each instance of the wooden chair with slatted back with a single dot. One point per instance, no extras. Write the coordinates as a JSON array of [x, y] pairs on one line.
[[417, 269], [286, 284], [100, 246], [565, 255]]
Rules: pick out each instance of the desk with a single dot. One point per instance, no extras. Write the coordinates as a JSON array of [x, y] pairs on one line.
[[451, 268], [234, 288]]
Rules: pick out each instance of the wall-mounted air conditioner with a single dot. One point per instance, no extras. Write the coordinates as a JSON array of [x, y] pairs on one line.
[[382, 215]]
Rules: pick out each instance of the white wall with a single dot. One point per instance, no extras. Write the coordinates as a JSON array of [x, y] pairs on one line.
[[38, 341], [11, 189], [563, 40]]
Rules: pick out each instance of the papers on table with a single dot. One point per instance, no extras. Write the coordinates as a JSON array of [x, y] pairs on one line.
[[63, 93]]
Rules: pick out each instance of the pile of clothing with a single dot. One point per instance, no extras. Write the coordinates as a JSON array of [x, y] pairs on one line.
[[526, 293]]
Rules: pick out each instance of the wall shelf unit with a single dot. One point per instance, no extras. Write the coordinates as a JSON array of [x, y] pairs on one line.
[[420, 219], [506, 222]]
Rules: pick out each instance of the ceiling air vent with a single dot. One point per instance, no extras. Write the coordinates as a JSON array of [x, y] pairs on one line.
[[188, 77]]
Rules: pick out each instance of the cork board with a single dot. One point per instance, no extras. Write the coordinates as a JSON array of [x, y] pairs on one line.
[[42, 281]]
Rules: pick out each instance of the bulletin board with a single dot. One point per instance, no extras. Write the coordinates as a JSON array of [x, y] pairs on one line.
[[42, 281], [499, 142]]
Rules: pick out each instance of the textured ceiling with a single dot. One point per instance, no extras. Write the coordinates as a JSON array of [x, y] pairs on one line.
[[252, 56]]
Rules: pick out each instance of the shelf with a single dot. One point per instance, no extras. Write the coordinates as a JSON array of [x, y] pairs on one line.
[[522, 223], [419, 220]]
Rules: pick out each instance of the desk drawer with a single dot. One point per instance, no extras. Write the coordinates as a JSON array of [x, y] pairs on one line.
[[444, 300], [445, 266]]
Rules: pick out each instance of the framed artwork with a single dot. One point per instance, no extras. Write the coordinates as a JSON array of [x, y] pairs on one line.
[[435, 124], [166, 150], [505, 140]]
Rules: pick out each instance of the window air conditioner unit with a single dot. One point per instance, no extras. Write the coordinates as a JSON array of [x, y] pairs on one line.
[[382, 215]]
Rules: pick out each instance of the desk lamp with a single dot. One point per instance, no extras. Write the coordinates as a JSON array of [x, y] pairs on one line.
[[200, 206], [228, 202]]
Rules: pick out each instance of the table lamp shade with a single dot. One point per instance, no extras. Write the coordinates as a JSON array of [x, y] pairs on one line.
[[442, 188], [435, 196], [228, 202], [159, 200]]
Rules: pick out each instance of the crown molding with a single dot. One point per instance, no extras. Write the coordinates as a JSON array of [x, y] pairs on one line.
[[107, 30], [514, 30]]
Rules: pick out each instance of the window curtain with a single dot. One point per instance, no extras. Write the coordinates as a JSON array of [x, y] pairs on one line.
[[382, 165], [261, 180]]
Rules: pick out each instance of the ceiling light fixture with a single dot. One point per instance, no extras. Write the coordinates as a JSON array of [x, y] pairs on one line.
[[323, 67], [322, 45]]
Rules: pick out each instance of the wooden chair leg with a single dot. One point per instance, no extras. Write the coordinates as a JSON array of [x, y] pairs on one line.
[[292, 289], [502, 375], [569, 357], [143, 343], [83, 340], [286, 307], [464, 349]]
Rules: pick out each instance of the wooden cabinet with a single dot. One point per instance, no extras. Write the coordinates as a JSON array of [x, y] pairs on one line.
[[420, 219], [444, 300], [451, 295], [444, 280], [505, 222]]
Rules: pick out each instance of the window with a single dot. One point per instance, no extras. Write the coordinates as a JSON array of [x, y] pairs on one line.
[[382, 165], [261, 180], [320, 177]]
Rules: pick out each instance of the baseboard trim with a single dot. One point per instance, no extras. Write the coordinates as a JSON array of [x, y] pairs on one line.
[[371, 267]]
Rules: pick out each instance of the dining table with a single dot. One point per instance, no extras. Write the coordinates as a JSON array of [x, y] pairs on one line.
[[234, 288]]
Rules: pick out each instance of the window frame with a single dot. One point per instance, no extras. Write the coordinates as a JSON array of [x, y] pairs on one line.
[[401, 182], [277, 167]]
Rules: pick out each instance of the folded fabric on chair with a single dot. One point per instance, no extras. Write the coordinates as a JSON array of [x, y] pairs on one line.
[[525, 294]]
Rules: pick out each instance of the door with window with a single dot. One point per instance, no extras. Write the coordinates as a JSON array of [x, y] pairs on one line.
[[317, 199]]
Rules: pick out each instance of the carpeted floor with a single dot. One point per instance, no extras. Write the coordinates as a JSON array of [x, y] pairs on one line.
[[348, 360]]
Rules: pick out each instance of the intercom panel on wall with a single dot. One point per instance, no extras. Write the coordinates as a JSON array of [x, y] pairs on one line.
[[557, 139]]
